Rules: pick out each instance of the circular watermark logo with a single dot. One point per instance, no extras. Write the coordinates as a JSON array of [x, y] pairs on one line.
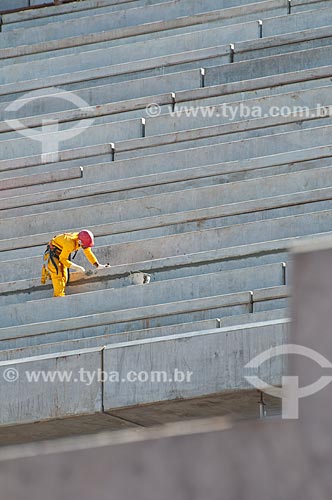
[[48, 134], [153, 110], [11, 375]]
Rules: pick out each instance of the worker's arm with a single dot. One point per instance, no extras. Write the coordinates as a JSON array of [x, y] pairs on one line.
[[91, 256], [93, 259]]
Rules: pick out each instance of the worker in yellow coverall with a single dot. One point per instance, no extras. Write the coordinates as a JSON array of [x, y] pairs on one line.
[[57, 258]]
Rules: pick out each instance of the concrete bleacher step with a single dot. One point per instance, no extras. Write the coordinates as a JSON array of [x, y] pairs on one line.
[[100, 212], [16, 145], [251, 108], [207, 57], [46, 13], [268, 66], [107, 300], [203, 117], [162, 269], [261, 129], [167, 28], [282, 144], [147, 185], [24, 347], [38, 17], [178, 61], [298, 103], [49, 400], [178, 13], [251, 48], [191, 264], [270, 27], [156, 48], [202, 97], [250, 89], [231, 309], [228, 133], [135, 255], [231, 150], [59, 13], [176, 79]]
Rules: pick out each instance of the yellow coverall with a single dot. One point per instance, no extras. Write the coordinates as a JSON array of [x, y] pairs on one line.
[[67, 243]]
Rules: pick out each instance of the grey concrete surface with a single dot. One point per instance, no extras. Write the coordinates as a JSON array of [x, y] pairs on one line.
[[156, 293], [237, 150], [142, 32], [50, 141], [218, 352], [134, 17], [133, 90], [298, 21], [64, 12], [125, 53], [218, 134], [172, 122], [232, 308], [96, 336], [316, 5], [268, 66], [157, 205], [13, 4], [317, 136], [191, 242], [13, 183], [283, 44], [276, 438], [292, 205], [47, 12], [35, 401], [181, 61], [40, 402], [72, 11], [270, 27], [204, 219], [146, 185]]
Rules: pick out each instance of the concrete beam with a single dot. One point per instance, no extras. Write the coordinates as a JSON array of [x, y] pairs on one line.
[[28, 402], [220, 354], [36, 401]]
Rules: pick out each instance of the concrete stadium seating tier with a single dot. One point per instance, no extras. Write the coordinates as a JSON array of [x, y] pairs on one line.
[[207, 205]]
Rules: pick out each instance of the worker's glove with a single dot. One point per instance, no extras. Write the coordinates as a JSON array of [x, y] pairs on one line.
[[75, 267], [103, 266]]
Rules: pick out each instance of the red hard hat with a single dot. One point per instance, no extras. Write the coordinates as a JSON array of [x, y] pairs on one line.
[[86, 238]]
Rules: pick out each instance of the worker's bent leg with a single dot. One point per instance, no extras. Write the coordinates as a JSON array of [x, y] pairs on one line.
[[59, 282]]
